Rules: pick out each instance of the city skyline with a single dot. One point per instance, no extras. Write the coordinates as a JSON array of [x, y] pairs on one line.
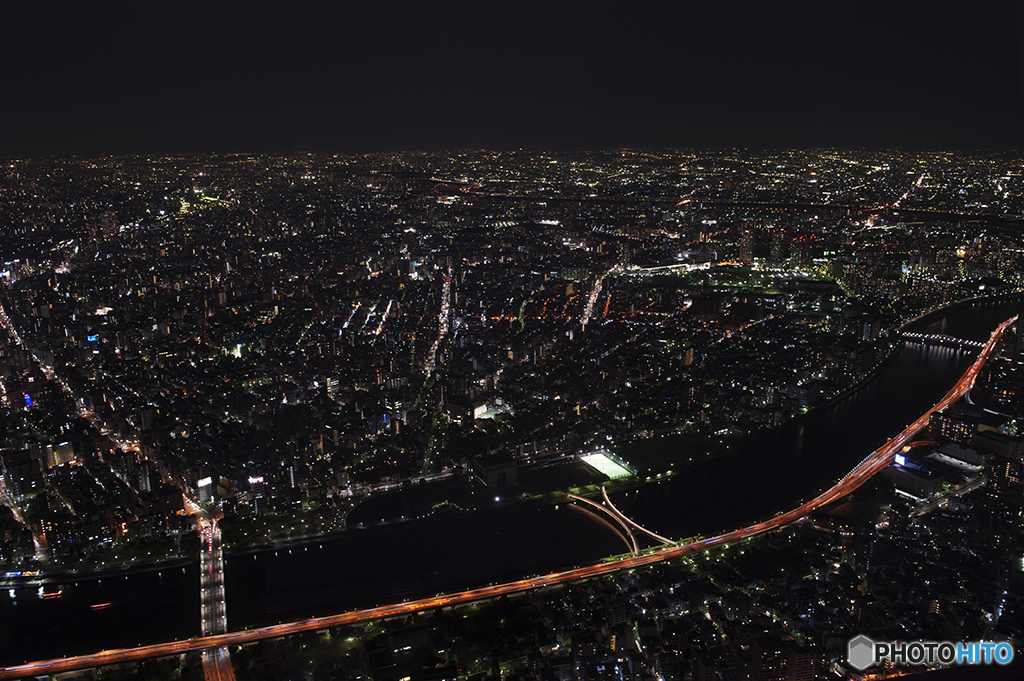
[[509, 341]]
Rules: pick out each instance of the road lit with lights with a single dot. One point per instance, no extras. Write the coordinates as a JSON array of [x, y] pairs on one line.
[[216, 661], [212, 606], [872, 464]]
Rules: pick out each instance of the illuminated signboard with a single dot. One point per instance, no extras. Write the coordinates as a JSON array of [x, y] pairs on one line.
[[206, 481]]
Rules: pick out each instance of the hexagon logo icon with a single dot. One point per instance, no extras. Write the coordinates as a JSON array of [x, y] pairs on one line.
[[860, 652]]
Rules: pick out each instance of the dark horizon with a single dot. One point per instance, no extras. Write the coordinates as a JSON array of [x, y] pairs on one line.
[[1015, 151], [366, 78]]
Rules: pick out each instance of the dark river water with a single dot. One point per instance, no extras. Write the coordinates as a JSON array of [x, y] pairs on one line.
[[407, 560]]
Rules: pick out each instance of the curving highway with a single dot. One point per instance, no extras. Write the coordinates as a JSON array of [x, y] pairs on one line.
[[617, 518], [873, 463], [627, 521]]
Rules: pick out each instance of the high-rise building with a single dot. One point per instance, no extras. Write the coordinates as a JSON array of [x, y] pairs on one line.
[[22, 473], [807, 664], [747, 247], [780, 245], [770, 660]]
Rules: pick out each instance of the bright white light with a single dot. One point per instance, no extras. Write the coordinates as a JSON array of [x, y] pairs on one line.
[[605, 465]]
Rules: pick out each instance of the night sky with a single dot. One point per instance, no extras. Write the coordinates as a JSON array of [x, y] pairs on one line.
[[153, 77]]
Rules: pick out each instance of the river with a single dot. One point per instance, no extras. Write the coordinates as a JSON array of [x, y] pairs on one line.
[[452, 551]]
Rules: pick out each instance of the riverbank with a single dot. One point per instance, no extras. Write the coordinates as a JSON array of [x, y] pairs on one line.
[[931, 316], [391, 563], [67, 575]]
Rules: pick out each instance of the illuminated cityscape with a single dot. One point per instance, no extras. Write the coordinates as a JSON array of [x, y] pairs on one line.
[[560, 341], [255, 388]]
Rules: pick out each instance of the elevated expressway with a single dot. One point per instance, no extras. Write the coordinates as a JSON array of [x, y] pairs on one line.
[[873, 463]]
